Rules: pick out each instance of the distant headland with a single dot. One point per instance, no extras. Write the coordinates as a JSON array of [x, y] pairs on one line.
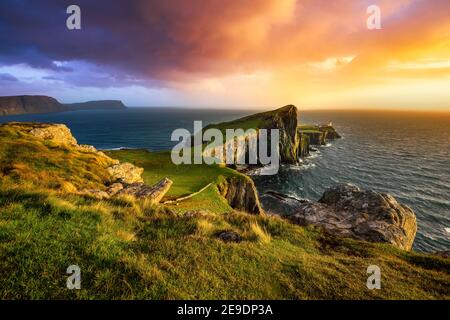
[[27, 104]]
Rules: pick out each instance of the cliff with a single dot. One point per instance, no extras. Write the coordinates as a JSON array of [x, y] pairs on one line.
[[29, 104], [295, 140], [241, 194], [43, 104], [318, 134]]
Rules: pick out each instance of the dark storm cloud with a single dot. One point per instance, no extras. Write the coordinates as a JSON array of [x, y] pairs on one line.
[[158, 41], [144, 39]]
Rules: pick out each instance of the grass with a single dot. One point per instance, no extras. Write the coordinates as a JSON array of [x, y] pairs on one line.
[[129, 249], [308, 128], [161, 255], [254, 121], [186, 178]]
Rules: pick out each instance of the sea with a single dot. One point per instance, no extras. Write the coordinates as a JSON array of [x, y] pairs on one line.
[[406, 154]]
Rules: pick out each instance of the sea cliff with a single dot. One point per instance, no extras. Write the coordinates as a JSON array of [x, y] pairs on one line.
[[295, 140]]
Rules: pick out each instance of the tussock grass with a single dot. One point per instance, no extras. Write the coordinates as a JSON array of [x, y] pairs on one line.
[[259, 234]]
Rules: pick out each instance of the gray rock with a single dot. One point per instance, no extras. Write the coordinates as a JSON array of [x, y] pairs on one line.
[[347, 211], [140, 190], [229, 236]]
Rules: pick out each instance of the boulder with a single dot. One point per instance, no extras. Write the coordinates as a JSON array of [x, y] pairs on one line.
[[140, 190], [114, 188], [347, 211], [229, 236], [126, 173], [87, 148]]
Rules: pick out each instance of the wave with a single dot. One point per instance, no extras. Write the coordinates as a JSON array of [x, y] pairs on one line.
[[303, 166], [118, 149]]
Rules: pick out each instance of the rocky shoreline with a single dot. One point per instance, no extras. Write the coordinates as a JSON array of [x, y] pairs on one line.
[[347, 211]]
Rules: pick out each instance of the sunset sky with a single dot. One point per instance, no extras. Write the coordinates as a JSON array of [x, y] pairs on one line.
[[247, 53]]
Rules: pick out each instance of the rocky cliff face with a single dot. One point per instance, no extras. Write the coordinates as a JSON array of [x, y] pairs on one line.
[[319, 135], [43, 104], [241, 194], [294, 141], [285, 119], [303, 145], [347, 211]]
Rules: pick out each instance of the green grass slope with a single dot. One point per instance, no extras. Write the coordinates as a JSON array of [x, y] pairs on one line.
[[128, 249]]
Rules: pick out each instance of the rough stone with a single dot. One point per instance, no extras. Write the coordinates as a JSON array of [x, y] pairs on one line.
[[155, 193], [87, 148], [229, 236], [126, 173], [347, 211], [241, 194], [57, 133], [114, 188]]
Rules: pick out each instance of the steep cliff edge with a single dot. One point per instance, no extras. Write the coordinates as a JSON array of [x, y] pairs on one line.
[[295, 139], [44, 104], [241, 194], [318, 134]]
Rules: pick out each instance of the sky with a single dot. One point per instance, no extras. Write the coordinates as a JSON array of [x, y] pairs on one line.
[[316, 54]]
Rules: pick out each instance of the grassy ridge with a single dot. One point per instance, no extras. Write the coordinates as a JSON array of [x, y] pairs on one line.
[[128, 249]]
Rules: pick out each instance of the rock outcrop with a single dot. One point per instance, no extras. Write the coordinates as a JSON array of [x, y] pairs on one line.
[[319, 135], [285, 119], [44, 104], [126, 173], [57, 133], [347, 211], [304, 146], [229, 236], [241, 194], [125, 178], [154, 193]]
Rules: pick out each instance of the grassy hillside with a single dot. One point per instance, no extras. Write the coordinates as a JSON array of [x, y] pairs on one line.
[[187, 179], [128, 249]]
